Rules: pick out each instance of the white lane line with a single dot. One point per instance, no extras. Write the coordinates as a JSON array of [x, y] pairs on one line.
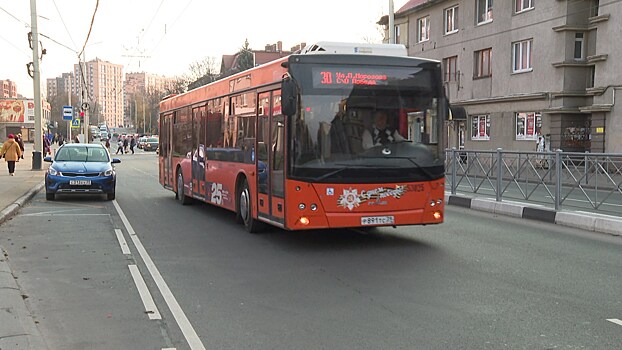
[[53, 214], [169, 348], [124, 247], [615, 320], [150, 306], [184, 324]]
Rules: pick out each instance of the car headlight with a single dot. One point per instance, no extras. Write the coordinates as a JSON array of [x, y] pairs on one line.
[[108, 172], [53, 171]]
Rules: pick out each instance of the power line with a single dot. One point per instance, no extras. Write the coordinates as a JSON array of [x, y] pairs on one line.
[[172, 25], [17, 19], [15, 46], [65, 25], [90, 29]]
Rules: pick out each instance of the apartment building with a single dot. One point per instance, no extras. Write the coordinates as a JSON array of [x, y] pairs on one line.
[[104, 86], [62, 85], [139, 83], [9, 89], [523, 69]]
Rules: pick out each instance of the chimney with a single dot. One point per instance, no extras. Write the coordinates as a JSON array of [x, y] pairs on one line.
[[279, 46]]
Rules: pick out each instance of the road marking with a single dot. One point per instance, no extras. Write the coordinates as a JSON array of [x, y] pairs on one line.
[[124, 247], [184, 324], [150, 306], [615, 320]]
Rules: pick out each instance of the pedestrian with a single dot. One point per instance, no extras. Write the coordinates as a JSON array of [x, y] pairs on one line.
[[46, 146], [76, 139], [20, 142], [126, 143], [119, 146], [11, 152], [108, 144], [132, 144], [61, 140]]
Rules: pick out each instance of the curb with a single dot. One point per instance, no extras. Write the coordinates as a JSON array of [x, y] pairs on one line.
[[12, 208], [587, 221]]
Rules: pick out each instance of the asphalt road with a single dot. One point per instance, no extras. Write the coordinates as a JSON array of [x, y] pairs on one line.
[[475, 282]]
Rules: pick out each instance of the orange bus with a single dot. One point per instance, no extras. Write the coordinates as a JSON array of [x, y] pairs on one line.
[[311, 141]]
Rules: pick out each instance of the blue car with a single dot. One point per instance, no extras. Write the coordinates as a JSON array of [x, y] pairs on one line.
[[80, 168]]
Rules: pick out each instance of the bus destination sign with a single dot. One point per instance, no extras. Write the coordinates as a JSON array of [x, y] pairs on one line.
[[337, 77]]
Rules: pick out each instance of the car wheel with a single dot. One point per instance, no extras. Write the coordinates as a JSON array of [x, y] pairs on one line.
[[49, 196], [111, 195], [180, 195], [245, 211]]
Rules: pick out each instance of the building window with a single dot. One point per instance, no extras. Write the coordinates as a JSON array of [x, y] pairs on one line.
[[423, 29], [484, 11], [522, 56], [451, 20], [523, 5], [591, 76], [483, 63], [594, 8], [528, 126], [450, 64], [578, 46], [480, 127], [397, 34]]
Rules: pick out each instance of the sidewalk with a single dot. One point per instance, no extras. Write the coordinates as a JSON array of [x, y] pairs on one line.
[[17, 327]]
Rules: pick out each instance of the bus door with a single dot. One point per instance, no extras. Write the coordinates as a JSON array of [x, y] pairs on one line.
[[271, 158], [166, 173], [199, 121]]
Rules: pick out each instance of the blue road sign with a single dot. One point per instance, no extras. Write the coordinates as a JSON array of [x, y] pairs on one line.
[[75, 123], [67, 112]]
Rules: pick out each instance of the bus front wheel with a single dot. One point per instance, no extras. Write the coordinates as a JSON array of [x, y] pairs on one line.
[[245, 211]]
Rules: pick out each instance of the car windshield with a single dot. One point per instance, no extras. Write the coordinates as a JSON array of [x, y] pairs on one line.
[[152, 139], [82, 154]]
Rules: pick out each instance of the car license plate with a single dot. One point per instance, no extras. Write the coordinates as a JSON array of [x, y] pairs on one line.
[[377, 220], [80, 182]]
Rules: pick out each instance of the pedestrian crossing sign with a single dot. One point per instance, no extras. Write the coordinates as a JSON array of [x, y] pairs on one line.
[[75, 123]]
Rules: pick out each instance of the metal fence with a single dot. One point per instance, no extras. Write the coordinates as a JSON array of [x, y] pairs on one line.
[[584, 181]]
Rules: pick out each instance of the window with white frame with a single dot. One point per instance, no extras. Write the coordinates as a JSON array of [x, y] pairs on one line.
[[480, 127], [484, 11], [423, 29], [451, 20], [397, 34], [528, 125], [521, 58], [483, 63], [578, 46], [450, 65], [523, 5]]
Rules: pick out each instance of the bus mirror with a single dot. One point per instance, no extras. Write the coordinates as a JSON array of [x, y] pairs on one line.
[[289, 100]]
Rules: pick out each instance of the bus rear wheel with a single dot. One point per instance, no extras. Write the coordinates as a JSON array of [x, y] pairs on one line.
[[180, 195], [245, 211]]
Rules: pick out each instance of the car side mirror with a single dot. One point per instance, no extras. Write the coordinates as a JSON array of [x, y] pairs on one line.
[[48, 159], [116, 160]]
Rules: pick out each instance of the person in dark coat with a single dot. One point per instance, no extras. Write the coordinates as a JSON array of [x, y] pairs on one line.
[[20, 142]]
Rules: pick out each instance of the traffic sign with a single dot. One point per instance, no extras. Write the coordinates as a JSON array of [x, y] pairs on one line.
[[75, 124], [67, 112]]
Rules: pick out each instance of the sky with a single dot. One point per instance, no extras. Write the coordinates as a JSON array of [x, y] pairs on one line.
[[165, 36]]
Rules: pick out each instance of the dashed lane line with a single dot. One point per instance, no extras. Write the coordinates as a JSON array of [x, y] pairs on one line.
[[178, 313], [124, 247], [150, 307], [615, 320]]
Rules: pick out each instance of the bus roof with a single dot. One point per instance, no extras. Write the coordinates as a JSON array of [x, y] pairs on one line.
[[323, 47]]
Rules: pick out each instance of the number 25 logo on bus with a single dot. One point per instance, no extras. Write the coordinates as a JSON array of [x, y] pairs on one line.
[[216, 196]]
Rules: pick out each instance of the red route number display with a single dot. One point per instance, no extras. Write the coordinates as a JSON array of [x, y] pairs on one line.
[[327, 77]]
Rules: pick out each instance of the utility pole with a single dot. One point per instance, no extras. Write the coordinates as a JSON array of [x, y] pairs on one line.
[[38, 151], [391, 23]]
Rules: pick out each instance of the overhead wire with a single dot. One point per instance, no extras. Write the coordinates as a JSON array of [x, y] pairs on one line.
[[64, 25]]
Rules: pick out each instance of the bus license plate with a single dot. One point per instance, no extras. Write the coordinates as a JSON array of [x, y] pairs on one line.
[[80, 182], [377, 220]]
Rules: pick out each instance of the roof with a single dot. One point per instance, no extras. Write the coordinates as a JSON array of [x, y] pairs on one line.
[[410, 5]]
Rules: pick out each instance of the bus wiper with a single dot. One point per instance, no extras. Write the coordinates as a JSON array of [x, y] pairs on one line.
[[335, 172]]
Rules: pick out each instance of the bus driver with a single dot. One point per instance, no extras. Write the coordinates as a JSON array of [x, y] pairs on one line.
[[380, 134]]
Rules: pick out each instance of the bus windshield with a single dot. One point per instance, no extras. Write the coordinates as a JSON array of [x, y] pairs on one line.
[[366, 124]]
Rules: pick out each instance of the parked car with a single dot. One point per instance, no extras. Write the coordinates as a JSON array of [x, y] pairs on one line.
[[142, 141], [80, 168], [151, 144]]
